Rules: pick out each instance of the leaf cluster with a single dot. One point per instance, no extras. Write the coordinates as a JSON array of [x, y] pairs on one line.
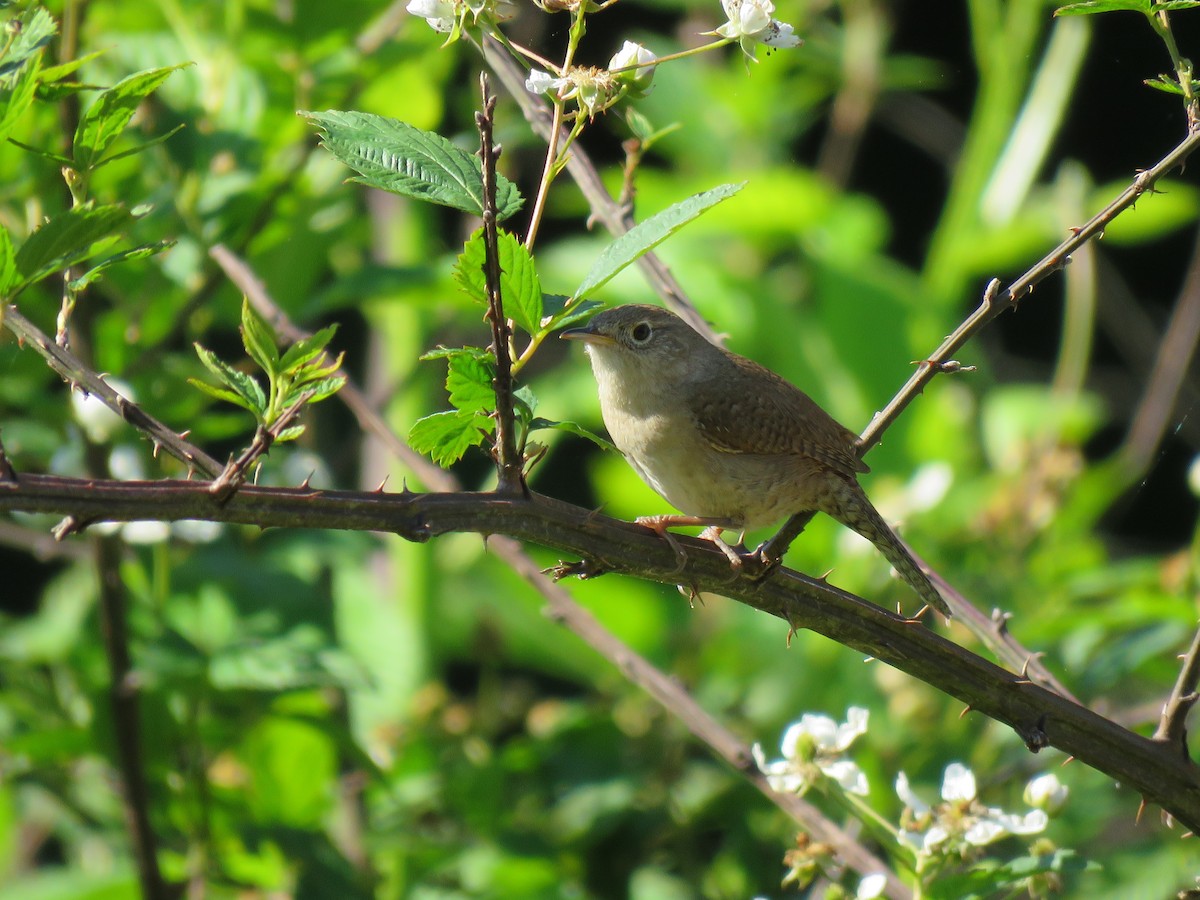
[[301, 374]]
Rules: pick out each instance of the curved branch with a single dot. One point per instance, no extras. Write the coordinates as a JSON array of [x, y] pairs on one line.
[[1041, 717]]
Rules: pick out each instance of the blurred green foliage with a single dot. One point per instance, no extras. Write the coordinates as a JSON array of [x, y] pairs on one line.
[[343, 715]]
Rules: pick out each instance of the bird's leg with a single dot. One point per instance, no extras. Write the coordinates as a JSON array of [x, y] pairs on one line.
[[660, 524]]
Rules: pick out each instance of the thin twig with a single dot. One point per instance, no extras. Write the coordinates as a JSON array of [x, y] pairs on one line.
[[509, 468], [1040, 717], [1172, 726], [123, 699], [73, 370], [1175, 354], [564, 609], [237, 470]]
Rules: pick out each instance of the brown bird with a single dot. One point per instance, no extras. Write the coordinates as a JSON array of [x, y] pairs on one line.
[[728, 443]]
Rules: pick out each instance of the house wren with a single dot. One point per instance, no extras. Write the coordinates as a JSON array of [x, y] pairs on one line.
[[728, 443]]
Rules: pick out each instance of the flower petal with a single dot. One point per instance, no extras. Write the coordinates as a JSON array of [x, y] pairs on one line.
[[958, 784]]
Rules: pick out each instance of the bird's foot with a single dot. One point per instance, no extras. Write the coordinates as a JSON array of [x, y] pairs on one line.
[[659, 527], [764, 563]]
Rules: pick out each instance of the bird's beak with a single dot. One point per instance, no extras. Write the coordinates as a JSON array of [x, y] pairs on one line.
[[587, 335]]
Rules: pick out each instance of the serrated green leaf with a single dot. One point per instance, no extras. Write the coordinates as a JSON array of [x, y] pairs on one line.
[[448, 352], [142, 252], [37, 29], [69, 238], [446, 436], [221, 394], [259, 339], [557, 314], [397, 157], [520, 288], [306, 349], [239, 382], [573, 428], [469, 383], [645, 236], [107, 117], [16, 95]]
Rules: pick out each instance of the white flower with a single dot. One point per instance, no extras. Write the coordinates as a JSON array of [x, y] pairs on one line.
[[1046, 792], [440, 14], [443, 15], [960, 821], [750, 22], [540, 82], [812, 748], [871, 886], [632, 54]]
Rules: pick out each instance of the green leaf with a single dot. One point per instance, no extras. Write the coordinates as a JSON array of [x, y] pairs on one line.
[[107, 117], [397, 157], [572, 428], [68, 238], [1090, 7], [52, 74], [450, 352], [469, 383], [322, 389], [520, 288], [16, 95], [142, 252], [221, 394], [37, 29], [645, 236], [560, 315], [446, 436], [259, 339], [8, 266], [242, 384], [290, 433], [306, 349]]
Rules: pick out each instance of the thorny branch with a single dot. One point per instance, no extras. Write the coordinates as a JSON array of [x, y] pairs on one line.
[[1041, 717], [509, 467]]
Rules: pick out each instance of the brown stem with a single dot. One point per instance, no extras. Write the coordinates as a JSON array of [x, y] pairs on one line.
[[509, 468], [81, 376], [1175, 354], [1041, 717], [237, 470], [123, 700], [1172, 726]]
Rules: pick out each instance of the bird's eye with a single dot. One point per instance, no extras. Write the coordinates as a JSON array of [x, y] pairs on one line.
[[641, 332]]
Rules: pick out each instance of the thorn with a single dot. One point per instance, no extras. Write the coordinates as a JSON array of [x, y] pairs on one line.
[[379, 490], [155, 447], [307, 482], [591, 516], [966, 709], [404, 491], [1069, 759], [1137, 819], [788, 641]]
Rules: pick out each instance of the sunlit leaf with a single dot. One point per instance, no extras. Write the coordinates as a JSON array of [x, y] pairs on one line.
[[645, 236], [69, 238], [446, 436], [394, 156], [520, 288]]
